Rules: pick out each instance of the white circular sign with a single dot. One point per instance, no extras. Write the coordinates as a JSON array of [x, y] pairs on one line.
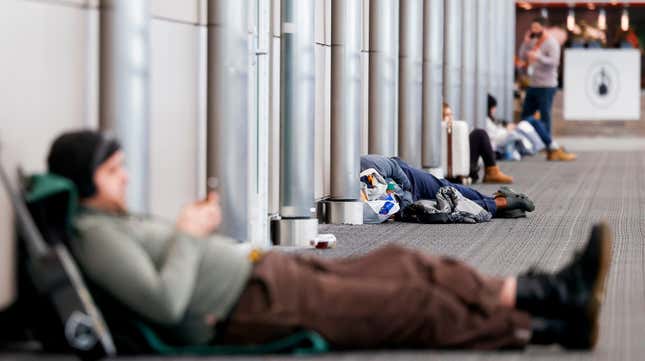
[[602, 84]]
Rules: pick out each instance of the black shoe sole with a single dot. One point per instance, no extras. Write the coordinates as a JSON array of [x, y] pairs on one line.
[[601, 233], [512, 213]]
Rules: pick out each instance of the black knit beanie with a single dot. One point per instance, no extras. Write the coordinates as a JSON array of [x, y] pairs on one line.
[[492, 102], [76, 155]]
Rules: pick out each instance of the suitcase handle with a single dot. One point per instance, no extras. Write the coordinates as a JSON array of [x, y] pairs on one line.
[[449, 146]]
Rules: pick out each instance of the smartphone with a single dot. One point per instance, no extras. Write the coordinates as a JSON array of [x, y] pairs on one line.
[[212, 185]]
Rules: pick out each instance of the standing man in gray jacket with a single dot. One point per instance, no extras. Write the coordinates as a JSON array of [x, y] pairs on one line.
[[540, 55]]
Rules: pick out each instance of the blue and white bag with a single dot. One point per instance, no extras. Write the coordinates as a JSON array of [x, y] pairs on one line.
[[378, 204]]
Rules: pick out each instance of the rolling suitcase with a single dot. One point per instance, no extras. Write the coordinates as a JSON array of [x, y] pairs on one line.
[[456, 151]]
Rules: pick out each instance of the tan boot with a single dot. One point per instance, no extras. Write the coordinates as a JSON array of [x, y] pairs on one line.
[[494, 175], [560, 155]]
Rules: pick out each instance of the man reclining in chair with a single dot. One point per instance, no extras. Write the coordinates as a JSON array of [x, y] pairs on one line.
[[184, 278]]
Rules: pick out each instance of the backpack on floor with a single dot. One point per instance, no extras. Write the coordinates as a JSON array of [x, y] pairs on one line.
[[60, 308], [53, 300]]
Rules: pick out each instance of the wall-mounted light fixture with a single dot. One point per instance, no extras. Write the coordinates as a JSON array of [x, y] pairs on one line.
[[602, 19], [624, 20], [571, 19]]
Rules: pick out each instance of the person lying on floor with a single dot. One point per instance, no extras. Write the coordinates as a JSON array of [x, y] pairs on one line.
[[505, 203], [480, 147], [203, 288]]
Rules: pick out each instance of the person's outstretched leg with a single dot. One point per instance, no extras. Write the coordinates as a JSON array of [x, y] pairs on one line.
[[545, 104], [531, 104], [427, 301], [480, 146], [565, 305], [541, 131], [505, 203], [426, 186]]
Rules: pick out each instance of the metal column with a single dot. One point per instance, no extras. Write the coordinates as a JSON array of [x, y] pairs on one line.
[[509, 56], [483, 48], [124, 88], [499, 39], [493, 49], [274, 111], [296, 226], [259, 14], [228, 123], [433, 25], [345, 206], [452, 56], [468, 62], [382, 80], [410, 81]]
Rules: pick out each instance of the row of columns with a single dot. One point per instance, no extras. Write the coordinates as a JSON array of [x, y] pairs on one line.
[[478, 58], [420, 54]]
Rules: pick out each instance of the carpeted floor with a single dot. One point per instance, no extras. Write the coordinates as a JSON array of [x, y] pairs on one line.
[[569, 198]]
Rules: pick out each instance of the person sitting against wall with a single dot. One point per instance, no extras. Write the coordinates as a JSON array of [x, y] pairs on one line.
[[504, 138], [505, 203], [480, 147], [204, 288]]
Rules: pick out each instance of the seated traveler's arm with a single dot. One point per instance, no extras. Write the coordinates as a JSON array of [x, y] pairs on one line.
[[496, 132], [501, 137], [122, 267]]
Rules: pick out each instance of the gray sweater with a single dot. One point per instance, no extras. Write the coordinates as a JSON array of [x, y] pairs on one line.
[[169, 278], [544, 71]]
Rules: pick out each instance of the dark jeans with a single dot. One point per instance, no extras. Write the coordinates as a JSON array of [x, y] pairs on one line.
[[426, 186], [539, 99], [391, 297], [480, 146], [541, 131]]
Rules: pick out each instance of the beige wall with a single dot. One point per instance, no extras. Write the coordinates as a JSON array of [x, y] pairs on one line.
[[185, 11], [49, 84], [44, 74]]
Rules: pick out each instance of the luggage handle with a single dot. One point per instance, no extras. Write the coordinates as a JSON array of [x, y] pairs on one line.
[[449, 146]]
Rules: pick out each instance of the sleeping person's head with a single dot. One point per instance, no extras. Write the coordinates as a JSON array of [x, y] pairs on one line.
[[95, 164]]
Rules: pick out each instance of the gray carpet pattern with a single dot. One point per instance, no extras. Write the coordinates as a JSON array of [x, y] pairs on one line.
[[569, 198]]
